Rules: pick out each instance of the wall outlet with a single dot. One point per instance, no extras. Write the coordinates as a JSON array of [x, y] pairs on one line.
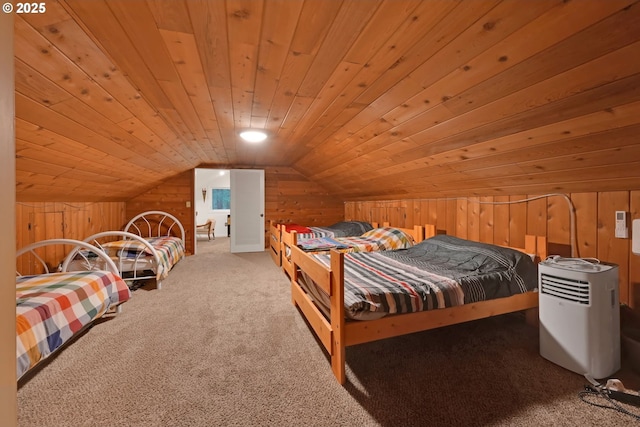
[[188, 203]]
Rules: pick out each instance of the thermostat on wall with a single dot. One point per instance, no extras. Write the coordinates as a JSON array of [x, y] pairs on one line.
[[622, 229]]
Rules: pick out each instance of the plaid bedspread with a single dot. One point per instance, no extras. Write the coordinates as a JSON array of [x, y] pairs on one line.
[[171, 250], [378, 239], [439, 272], [51, 308]]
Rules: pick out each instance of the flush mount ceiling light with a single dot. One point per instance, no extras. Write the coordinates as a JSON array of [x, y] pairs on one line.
[[253, 135]]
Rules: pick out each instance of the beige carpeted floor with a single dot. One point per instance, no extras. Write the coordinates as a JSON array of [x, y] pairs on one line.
[[222, 345]]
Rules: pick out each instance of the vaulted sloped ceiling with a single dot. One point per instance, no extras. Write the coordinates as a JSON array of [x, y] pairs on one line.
[[371, 98]]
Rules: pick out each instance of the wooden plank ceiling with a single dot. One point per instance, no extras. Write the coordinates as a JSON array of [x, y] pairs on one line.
[[374, 99]]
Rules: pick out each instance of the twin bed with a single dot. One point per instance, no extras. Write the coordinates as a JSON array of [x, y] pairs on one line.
[[54, 308], [354, 298], [345, 237], [278, 232], [148, 247]]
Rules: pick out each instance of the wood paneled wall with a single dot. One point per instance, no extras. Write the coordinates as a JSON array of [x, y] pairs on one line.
[[290, 197], [172, 196], [37, 221], [495, 220]]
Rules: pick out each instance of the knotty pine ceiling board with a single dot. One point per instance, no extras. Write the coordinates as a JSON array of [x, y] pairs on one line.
[[371, 99]]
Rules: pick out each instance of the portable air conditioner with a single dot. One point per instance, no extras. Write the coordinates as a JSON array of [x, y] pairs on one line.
[[580, 315]]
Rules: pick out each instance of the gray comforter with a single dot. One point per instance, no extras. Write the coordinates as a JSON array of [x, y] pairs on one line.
[[440, 272]]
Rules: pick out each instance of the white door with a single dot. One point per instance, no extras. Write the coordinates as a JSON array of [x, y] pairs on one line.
[[247, 210]]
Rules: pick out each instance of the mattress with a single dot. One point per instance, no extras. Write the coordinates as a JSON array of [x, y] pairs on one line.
[[171, 250], [52, 308]]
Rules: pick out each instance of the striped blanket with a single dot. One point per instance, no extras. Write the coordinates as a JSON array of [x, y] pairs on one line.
[[51, 308], [440, 272], [321, 244], [316, 233], [171, 250]]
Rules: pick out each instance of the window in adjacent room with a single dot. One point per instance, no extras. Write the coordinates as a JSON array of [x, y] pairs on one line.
[[221, 198]]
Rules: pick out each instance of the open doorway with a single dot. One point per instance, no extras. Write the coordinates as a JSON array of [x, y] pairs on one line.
[[221, 194], [212, 202]]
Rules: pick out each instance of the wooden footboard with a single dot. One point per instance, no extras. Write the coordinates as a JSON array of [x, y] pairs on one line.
[[335, 333], [275, 242], [288, 240], [330, 332]]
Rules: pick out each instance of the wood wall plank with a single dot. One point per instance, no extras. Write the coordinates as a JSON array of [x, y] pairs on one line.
[[486, 219], [37, 221], [610, 248]]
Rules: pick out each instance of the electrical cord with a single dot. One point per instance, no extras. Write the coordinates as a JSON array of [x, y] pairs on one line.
[[572, 212], [590, 391]]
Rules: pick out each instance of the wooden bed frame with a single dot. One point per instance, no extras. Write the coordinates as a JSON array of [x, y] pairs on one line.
[[289, 240], [275, 242], [336, 333]]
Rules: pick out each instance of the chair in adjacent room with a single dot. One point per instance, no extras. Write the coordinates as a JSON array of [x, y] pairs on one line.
[[208, 228]]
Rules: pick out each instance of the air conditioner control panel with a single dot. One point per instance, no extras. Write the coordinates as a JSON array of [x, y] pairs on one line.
[[577, 264]]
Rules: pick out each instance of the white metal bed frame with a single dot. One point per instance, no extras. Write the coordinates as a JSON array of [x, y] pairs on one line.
[[140, 263], [108, 262], [164, 224], [132, 225]]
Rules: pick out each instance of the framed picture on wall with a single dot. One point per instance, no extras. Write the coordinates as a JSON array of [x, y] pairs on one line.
[[221, 198]]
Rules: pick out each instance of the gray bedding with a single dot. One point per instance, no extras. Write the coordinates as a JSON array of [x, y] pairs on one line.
[[440, 272], [339, 229], [350, 228]]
